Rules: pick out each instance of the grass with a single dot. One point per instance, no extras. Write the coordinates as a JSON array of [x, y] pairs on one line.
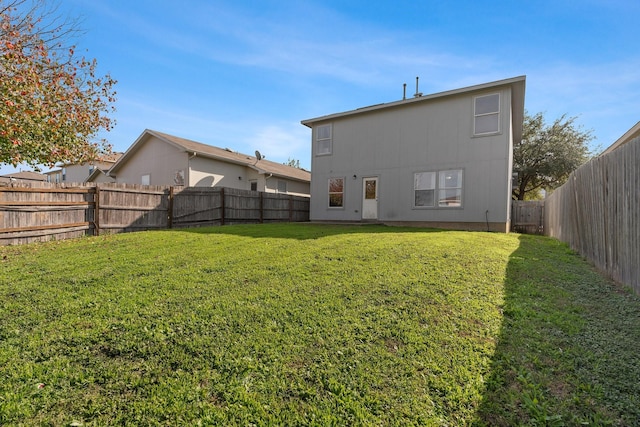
[[298, 324]]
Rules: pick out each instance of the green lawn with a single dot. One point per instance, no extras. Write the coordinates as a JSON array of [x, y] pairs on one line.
[[299, 324]]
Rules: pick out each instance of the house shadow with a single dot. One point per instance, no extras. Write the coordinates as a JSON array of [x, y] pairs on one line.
[[559, 350]]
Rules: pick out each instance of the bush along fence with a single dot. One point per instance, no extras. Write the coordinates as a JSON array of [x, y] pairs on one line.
[[597, 212], [56, 212]]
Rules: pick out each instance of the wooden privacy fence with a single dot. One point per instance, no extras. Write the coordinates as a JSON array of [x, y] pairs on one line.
[[597, 212], [527, 216], [61, 212]]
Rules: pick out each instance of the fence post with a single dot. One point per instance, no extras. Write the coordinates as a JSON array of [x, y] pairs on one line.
[[170, 208], [290, 208], [96, 210], [261, 208], [222, 206]]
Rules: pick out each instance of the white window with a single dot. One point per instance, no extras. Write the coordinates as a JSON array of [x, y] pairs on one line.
[[443, 187], [64, 174], [145, 179], [282, 186], [450, 188], [323, 139], [336, 192], [425, 188], [486, 114]]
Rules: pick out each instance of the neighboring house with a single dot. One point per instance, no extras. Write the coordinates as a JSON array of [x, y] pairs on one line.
[[79, 173], [629, 135], [441, 160], [22, 178], [157, 158]]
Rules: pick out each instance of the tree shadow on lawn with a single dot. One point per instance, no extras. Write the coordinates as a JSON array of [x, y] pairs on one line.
[[567, 351], [304, 231]]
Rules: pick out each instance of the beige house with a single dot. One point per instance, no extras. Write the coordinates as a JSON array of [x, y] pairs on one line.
[[86, 172], [157, 158], [442, 160], [23, 177]]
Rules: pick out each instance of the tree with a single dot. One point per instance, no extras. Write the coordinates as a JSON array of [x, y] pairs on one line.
[[293, 163], [547, 154], [52, 104]]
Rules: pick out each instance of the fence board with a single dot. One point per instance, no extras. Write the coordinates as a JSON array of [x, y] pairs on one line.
[[597, 213], [45, 212]]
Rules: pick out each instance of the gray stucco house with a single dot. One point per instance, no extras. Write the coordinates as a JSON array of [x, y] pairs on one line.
[[442, 160]]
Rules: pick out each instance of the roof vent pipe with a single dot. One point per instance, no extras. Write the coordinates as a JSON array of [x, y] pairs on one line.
[[404, 91], [417, 94]]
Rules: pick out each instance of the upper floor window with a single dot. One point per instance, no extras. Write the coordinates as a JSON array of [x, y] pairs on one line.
[[323, 139], [282, 186], [486, 114]]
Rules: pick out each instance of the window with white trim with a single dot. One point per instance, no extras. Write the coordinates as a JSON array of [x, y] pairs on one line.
[[486, 114], [424, 189], [450, 189], [336, 192], [441, 189], [145, 179], [324, 140]]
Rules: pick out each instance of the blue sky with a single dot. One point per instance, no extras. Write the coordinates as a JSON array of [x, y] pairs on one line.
[[243, 74]]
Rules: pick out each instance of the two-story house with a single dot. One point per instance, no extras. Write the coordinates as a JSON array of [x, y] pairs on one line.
[[442, 160]]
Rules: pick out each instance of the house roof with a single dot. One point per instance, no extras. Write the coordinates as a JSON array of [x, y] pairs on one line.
[[26, 176], [517, 84], [209, 151], [629, 135], [95, 173], [104, 161]]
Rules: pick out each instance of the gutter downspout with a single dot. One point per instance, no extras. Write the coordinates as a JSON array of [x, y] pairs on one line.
[[265, 181]]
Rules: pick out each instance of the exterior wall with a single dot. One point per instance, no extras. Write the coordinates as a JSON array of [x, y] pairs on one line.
[[393, 144], [294, 188], [72, 173], [102, 178], [205, 172], [157, 159], [76, 173]]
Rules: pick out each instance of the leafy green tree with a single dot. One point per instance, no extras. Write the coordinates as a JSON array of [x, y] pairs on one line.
[[52, 104], [547, 154], [293, 163]]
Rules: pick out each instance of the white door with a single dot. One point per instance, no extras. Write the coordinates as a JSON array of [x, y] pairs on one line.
[[370, 198]]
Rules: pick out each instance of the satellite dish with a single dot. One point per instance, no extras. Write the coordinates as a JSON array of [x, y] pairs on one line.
[[258, 155]]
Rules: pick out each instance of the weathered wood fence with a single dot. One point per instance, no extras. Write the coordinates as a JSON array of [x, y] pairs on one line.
[[58, 212], [597, 212], [527, 216]]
